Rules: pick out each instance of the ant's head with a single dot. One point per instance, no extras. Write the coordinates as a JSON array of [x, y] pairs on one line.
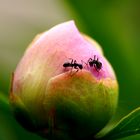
[[91, 63]]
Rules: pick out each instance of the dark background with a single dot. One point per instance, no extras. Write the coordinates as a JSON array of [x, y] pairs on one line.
[[115, 24]]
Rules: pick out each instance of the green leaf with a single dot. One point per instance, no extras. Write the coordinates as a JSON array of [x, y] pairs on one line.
[[127, 126]]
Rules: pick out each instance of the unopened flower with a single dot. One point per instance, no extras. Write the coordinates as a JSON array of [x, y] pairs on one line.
[[60, 102]]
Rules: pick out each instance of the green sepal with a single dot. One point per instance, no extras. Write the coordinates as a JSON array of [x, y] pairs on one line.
[[22, 114], [127, 126]]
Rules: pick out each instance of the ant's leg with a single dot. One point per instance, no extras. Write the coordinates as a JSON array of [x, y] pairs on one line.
[[94, 57], [75, 64], [90, 59], [77, 69], [71, 70], [71, 60], [75, 61], [85, 64], [71, 64], [96, 68], [89, 63]]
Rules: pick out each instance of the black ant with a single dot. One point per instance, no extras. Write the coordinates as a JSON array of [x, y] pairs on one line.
[[95, 62], [73, 64]]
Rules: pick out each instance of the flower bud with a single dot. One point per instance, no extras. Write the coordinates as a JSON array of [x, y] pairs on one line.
[[60, 102]]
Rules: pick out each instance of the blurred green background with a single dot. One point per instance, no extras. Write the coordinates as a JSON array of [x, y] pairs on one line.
[[115, 24]]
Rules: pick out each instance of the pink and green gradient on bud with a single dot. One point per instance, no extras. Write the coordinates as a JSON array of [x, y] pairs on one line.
[[63, 103]]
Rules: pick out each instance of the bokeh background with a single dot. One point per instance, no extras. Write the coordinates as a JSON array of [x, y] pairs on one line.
[[115, 24]]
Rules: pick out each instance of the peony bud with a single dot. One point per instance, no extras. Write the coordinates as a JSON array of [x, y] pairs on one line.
[[63, 103]]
